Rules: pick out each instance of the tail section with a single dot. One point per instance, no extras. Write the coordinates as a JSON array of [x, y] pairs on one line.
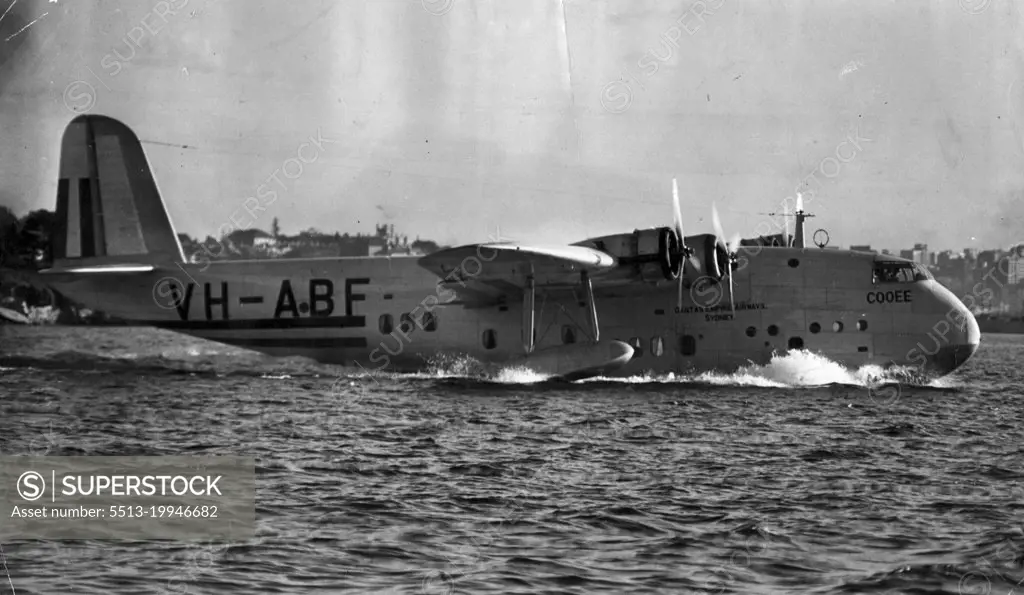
[[109, 210]]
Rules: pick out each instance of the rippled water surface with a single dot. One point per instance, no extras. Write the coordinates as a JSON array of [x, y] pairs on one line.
[[790, 478]]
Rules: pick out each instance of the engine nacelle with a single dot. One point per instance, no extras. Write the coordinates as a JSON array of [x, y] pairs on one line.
[[653, 253], [710, 254]]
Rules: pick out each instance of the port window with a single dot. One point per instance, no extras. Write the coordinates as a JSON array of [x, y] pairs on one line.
[[773, 330], [386, 324], [815, 328], [751, 331], [796, 343], [687, 345], [407, 323], [794, 262], [429, 322], [490, 339], [837, 326], [657, 346], [568, 334], [638, 346], [862, 325]]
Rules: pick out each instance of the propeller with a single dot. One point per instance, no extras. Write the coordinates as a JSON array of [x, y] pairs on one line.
[[684, 250], [731, 248], [785, 217]]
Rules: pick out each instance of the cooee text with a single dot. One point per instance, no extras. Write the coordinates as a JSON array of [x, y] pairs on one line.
[[890, 297]]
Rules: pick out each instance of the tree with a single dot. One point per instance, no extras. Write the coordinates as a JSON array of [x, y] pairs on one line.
[[8, 237], [36, 233], [275, 229]]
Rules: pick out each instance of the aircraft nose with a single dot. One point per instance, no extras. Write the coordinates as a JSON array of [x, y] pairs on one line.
[[961, 339]]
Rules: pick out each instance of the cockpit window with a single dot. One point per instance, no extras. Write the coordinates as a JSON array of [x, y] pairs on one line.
[[899, 272]]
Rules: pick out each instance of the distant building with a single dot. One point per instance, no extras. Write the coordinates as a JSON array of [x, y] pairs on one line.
[[946, 258], [918, 254], [269, 245], [863, 248], [1015, 266], [245, 238], [987, 260], [921, 255]]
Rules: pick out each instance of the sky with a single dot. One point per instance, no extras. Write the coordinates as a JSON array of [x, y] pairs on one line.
[[546, 121]]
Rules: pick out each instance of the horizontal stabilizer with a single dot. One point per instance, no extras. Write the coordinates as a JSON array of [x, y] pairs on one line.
[[124, 269]]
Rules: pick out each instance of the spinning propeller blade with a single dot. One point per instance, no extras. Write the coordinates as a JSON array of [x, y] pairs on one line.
[[730, 248], [678, 213], [734, 243], [716, 223], [679, 229], [734, 247]]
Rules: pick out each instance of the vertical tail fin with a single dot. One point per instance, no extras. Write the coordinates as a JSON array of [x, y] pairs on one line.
[[109, 209]]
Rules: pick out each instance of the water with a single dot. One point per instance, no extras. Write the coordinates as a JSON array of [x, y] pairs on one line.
[[794, 477]]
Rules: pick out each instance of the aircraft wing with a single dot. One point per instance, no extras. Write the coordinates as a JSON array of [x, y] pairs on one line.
[[488, 274]]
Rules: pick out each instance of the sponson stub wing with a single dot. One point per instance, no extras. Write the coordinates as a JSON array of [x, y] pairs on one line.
[[487, 274]]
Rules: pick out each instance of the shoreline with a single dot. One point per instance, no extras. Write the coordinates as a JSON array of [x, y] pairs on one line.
[[23, 292]]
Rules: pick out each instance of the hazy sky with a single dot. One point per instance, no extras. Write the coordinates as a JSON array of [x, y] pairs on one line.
[[448, 118]]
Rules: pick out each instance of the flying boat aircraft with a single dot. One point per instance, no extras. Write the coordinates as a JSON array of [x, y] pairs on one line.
[[645, 301]]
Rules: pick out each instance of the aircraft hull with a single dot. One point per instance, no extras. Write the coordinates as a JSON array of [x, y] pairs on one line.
[[349, 311]]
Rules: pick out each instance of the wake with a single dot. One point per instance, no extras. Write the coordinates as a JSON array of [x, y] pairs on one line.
[[795, 369]]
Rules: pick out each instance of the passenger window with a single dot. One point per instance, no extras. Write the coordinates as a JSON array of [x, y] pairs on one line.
[[657, 346], [687, 345], [490, 340], [638, 346], [385, 324], [568, 334], [407, 324], [429, 322]]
